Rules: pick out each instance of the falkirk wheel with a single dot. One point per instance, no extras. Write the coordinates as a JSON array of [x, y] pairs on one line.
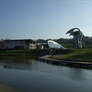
[[77, 37]]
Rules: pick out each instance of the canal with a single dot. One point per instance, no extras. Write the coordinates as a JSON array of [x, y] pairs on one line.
[[31, 75]]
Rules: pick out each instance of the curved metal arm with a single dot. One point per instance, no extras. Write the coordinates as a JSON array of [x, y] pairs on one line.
[[77, 36]]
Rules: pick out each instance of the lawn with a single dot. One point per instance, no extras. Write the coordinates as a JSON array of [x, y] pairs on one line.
[[82, 54], [21, 52]]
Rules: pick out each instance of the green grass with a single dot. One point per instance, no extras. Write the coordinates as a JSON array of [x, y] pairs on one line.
[[83, 54], [18, 52], [67, 45]]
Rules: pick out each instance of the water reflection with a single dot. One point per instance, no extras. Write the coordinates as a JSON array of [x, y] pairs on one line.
[[76, 74], [23, 64], [29, 64], [29, 75]]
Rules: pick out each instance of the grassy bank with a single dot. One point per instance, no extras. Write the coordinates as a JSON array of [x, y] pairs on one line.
[[81, 54], [35, 52], [19, 51]]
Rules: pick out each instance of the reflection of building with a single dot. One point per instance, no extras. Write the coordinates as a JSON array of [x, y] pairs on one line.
[[18, 44], [18, 66]]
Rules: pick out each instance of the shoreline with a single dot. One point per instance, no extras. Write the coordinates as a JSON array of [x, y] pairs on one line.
[[6, 88], [66, 62], [31, 53]]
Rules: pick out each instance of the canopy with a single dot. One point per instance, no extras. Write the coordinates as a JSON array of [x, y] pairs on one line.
[[53, 44]]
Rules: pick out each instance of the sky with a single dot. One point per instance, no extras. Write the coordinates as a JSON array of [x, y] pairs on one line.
[[44, 19]]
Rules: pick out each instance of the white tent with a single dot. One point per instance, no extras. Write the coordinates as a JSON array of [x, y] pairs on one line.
[[53, 44]]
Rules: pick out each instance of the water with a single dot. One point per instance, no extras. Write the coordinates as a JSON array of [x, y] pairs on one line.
[[34, 76]]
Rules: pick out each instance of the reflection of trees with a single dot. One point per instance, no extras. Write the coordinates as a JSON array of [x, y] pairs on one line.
[[76, 74]]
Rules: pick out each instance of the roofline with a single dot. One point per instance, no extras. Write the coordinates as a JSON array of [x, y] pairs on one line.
[[19, 40]]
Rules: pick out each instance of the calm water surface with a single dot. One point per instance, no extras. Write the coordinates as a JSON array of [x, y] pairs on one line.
[[34, 76]]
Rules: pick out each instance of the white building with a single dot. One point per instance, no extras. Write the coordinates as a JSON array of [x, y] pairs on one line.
[[17, 44]]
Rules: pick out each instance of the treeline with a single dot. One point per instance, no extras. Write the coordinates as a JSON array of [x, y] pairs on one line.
[[68, 42], [63, 41]]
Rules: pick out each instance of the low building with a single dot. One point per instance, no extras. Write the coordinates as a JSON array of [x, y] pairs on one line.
[[32, 46], [1, 44], [17, 44], [42, 46]]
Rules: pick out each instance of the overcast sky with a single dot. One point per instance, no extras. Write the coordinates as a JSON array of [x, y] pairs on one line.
[[44, 18]]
